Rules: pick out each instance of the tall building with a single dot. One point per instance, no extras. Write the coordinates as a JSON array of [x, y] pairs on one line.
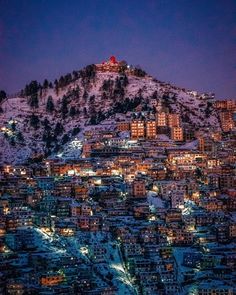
[[229, 105], [137, 129], [206, 144], [151, 130], [162, 119], [173, 120], [139, 189], [227, 122], [176, 134]]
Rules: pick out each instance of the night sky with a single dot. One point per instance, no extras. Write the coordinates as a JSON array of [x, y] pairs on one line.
[[191, 44]]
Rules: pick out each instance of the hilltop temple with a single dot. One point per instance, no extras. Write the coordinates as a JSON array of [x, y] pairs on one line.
[[112, 65]]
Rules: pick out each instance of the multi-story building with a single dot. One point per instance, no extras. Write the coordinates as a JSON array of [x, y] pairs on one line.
[[176, 134], [137, 129], [206, 144], [173, 120], [139, 189], [123, 126], [50, 279], [151, 130], [177, 200], [227, 122], [162, 119], [213, 288], [181, 237], [225, 105]]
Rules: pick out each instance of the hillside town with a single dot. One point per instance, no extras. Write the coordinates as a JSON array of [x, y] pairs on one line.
[[146, 206], [52, 114], [117, 147]]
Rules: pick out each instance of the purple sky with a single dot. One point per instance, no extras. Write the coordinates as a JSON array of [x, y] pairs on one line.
[[188, 43]]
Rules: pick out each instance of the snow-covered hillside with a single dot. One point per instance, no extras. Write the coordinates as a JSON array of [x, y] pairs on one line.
[[29, 130]]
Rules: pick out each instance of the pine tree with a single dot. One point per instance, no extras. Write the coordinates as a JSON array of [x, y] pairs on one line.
[[45, 84], [64, 107], [92, 99], [118, 83], [58, 129], [93, 119], [48, 139], [67, 79], [46, 124], [154, 95], [61, 82], [56, 86], [34, 121], [13, 126], [32, 88], [85, 95], [100, 116], [73, 111], [20, 136], [50, 105], [33, 101], [3, 95], [75, 131], [65, 139], [75, 75], [139, 72], [125, 81], [40, 91], [88, 73], [12, 141], [198, 173]]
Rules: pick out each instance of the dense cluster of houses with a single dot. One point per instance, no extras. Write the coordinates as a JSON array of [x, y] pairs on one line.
[[148, 208]]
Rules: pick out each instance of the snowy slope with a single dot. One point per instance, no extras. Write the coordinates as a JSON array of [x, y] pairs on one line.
[[89, 97]]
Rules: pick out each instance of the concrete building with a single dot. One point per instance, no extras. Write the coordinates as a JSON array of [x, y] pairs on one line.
[[137, 129], [176, 134], [151, 130]]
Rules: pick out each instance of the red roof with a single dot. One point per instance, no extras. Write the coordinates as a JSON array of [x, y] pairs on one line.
[[113, 59]]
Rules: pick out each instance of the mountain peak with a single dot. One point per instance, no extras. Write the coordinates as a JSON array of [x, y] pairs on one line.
[[113, 65], [48, 117]]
